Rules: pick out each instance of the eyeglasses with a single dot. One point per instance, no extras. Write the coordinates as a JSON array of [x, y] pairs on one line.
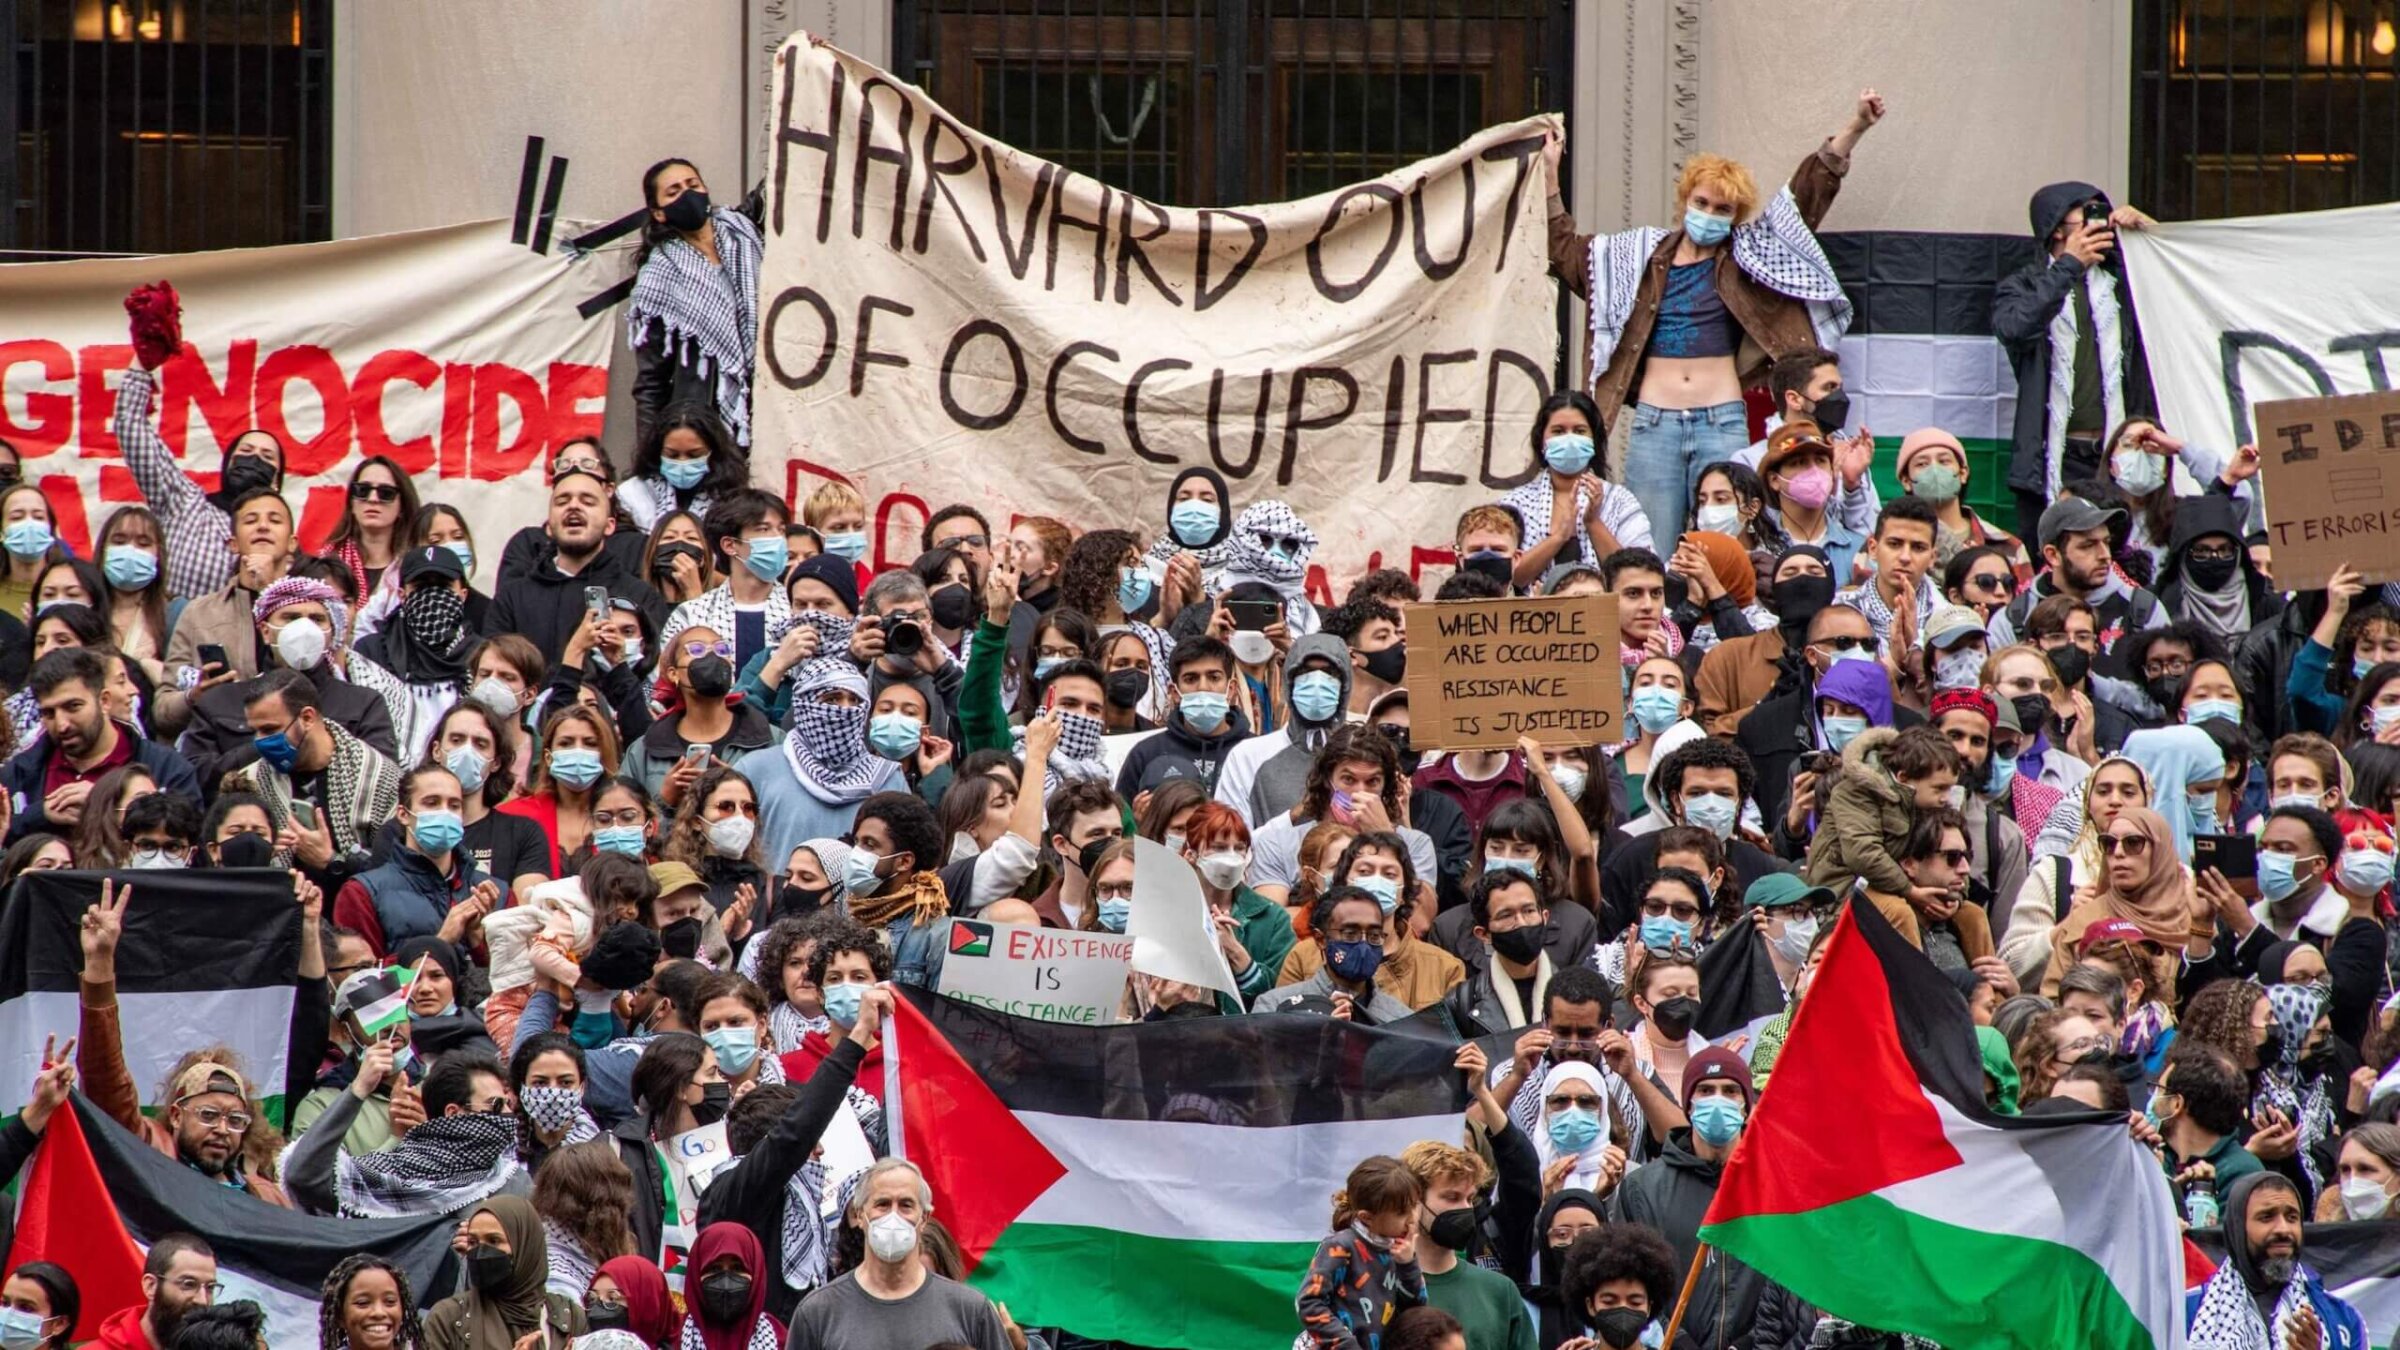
[[1561, 1236], [1124, 892], [1356, 933], [217, 1117], [1998, 583], [1658, 909], [2131, 845], [695, 649], [1954, 857], [2220, 553], [964, 541], [374, 492], [1846, 644], [631, 815], [192, 1285], [2167, 665], [2077, 1049], [590, 466]]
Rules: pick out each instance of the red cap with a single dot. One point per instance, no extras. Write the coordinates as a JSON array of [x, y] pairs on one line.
[[2109, 930]]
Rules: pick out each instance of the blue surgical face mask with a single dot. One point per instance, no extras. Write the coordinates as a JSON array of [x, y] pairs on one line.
[[1114, 912], [463, 551], [1851, 654], [577, 767], [2002, 768], [1194, 522], [767, 554], [1574, 1129], [2278, 875], [1385, 890], [842, 1002], [2365, 871], [20, 1329], [1661, 931], [625, 839], [1204, 712], [1841, 729], [28, 538], [858, 872], [468, 766], [1133, 588], [1656, 707], [1569, 452], [894, 736], [1717, 1120], [1704, 229], [736, 1047], [849, 545], [1713, 812], [1042, 666], [128, 568], [2309, 800], [439, 831], [2360, 665], [1493, 862], [278, 751], [1317, 697], [2211, 710], [683, 474]]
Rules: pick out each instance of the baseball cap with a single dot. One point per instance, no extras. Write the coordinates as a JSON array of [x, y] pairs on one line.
[[1779, 890], [1953, 624], [433, 560], [2073, 515], [674, 876], [2109, 930]]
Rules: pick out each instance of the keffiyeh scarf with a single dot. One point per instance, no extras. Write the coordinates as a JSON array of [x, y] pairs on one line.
[[361, 786], [2227, 1318], [1249, 560], [787, 1026], [807, 1234], [2099, 285], [764, 1334], [2286, 1087], [709, 312], [827, 745], [1777, 250], [442, 1165]]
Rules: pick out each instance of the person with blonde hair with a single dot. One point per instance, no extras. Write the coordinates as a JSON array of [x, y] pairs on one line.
[[1674, 310]]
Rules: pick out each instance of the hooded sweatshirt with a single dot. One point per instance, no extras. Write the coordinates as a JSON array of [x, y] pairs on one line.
[[1264, 776]]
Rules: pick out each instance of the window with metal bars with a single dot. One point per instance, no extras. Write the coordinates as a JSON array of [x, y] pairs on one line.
[[157, 126], [2250, 107]]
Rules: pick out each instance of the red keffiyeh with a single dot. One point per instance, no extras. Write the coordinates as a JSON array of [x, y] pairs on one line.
[[157, 315]]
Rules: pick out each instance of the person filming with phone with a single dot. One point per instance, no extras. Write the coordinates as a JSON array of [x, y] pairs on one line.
[[2071, 305], [327, 791]]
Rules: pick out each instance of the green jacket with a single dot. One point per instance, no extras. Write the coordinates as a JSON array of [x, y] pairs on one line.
[[982, 718], [1265, 931], [1865, 819]]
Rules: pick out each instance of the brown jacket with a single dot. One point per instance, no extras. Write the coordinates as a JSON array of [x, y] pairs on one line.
[[100, 1062], [223, 617], [1774, 324], [1736, 676], [1416, 973], [1974, 929]]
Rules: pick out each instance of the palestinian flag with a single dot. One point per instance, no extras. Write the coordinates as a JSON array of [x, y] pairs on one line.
[[1873, 1181], [207, 958], [1162, 1183], [96, 1197], [381, 1000]]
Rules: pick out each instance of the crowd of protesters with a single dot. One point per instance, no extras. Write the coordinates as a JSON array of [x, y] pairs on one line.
[[654, 799]]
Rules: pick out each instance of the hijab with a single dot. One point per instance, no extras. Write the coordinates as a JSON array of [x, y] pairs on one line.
[[2174, 758], [2159, 903], [2302, 1096], [1211, 550], [716, 1241], [1999, 1065], [649, 1311], [1587, 1163], [496, 1319], [2086, 844], [1792, 620]]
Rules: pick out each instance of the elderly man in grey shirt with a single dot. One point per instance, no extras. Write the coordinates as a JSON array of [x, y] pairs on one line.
[[891, 1299]]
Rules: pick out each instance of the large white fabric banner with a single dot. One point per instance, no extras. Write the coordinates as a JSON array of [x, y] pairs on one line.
[[455, 351], [944, 318], [2236, 313]]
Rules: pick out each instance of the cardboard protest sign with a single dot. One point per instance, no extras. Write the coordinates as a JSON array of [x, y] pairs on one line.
[[944, 318], [2331, 470], [1048, 974], [1481, 673]]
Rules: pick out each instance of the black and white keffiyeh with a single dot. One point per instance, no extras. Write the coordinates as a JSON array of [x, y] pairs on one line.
[[827, 745], [2227, 1318], [1247, 559], [2100, 287], [2302, 1097], [1776, 249], [762, 1335], [442, 1165], [709, 312], [787, 1026], [807, 1246]]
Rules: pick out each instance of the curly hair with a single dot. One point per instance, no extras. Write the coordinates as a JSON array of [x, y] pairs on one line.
[[2219, 1018], [1351, 741], [848, 936], [1706, 752], [1087, 580], [687, 834], [336, 1292], [2035, 1053], [1620, 1251], [587, 1190], [776, 944], [1388, 843], [2342, 677]]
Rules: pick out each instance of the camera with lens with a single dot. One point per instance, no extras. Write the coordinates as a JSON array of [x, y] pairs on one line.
[[904, 638]]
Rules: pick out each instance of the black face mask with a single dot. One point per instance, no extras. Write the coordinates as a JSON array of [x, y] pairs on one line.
[[953, 606], [1832, 411], [1490, 564], [1676, 1015], [1797, 599], [246, 850], [710, 676], [1126, 687], [681, 939], [1088, 857], [2270, 1051], [2033, 712], [662, 563], [607, 1316], [715, 1100], [1619, 1327], [725, 1296], [1389, 664], [2166, 690], [1187, 1008], [687, 212], [488, 1268], [799, 900], [2317, 1060], [1520, 945], [2211, 574], [1398, 736], [1454, 1229], [2072, 663], [246, 472]]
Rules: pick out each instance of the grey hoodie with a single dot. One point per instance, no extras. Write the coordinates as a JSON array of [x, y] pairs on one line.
[[1283, 777]]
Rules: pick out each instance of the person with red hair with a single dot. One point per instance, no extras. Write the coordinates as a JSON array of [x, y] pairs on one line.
[[1253, 931]]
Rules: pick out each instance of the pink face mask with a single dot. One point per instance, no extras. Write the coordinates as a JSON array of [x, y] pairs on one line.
[[1809, 488]]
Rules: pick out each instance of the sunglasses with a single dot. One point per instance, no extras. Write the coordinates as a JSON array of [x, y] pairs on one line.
[[964, 541], [1998, 583], [2131, 845], [1847, 644], [374, 492], [697, 649], [1954, 857], [1291, 543]]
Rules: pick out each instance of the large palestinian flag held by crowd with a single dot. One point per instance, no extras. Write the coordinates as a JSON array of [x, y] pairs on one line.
[[207, 958], [1162, 1183], [1874, 1182], [96, 1197]]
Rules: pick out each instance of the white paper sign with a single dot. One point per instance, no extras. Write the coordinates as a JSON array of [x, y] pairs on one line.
[[1173, 936], [1048, 974], [701, 1154]]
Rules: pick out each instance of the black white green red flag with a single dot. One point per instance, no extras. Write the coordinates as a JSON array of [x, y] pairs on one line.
[[1160, 1183], [1874, 1182]]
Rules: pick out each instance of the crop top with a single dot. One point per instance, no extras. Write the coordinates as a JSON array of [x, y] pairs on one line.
[[1692, 321]]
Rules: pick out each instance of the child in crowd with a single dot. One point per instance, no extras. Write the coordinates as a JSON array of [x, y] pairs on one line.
[[1366, 1272], [1886, 778]]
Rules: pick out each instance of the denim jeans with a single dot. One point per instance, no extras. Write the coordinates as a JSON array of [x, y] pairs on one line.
[[1667, 450]]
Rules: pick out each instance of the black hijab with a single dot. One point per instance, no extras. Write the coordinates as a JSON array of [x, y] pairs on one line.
[[1224, 507]]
